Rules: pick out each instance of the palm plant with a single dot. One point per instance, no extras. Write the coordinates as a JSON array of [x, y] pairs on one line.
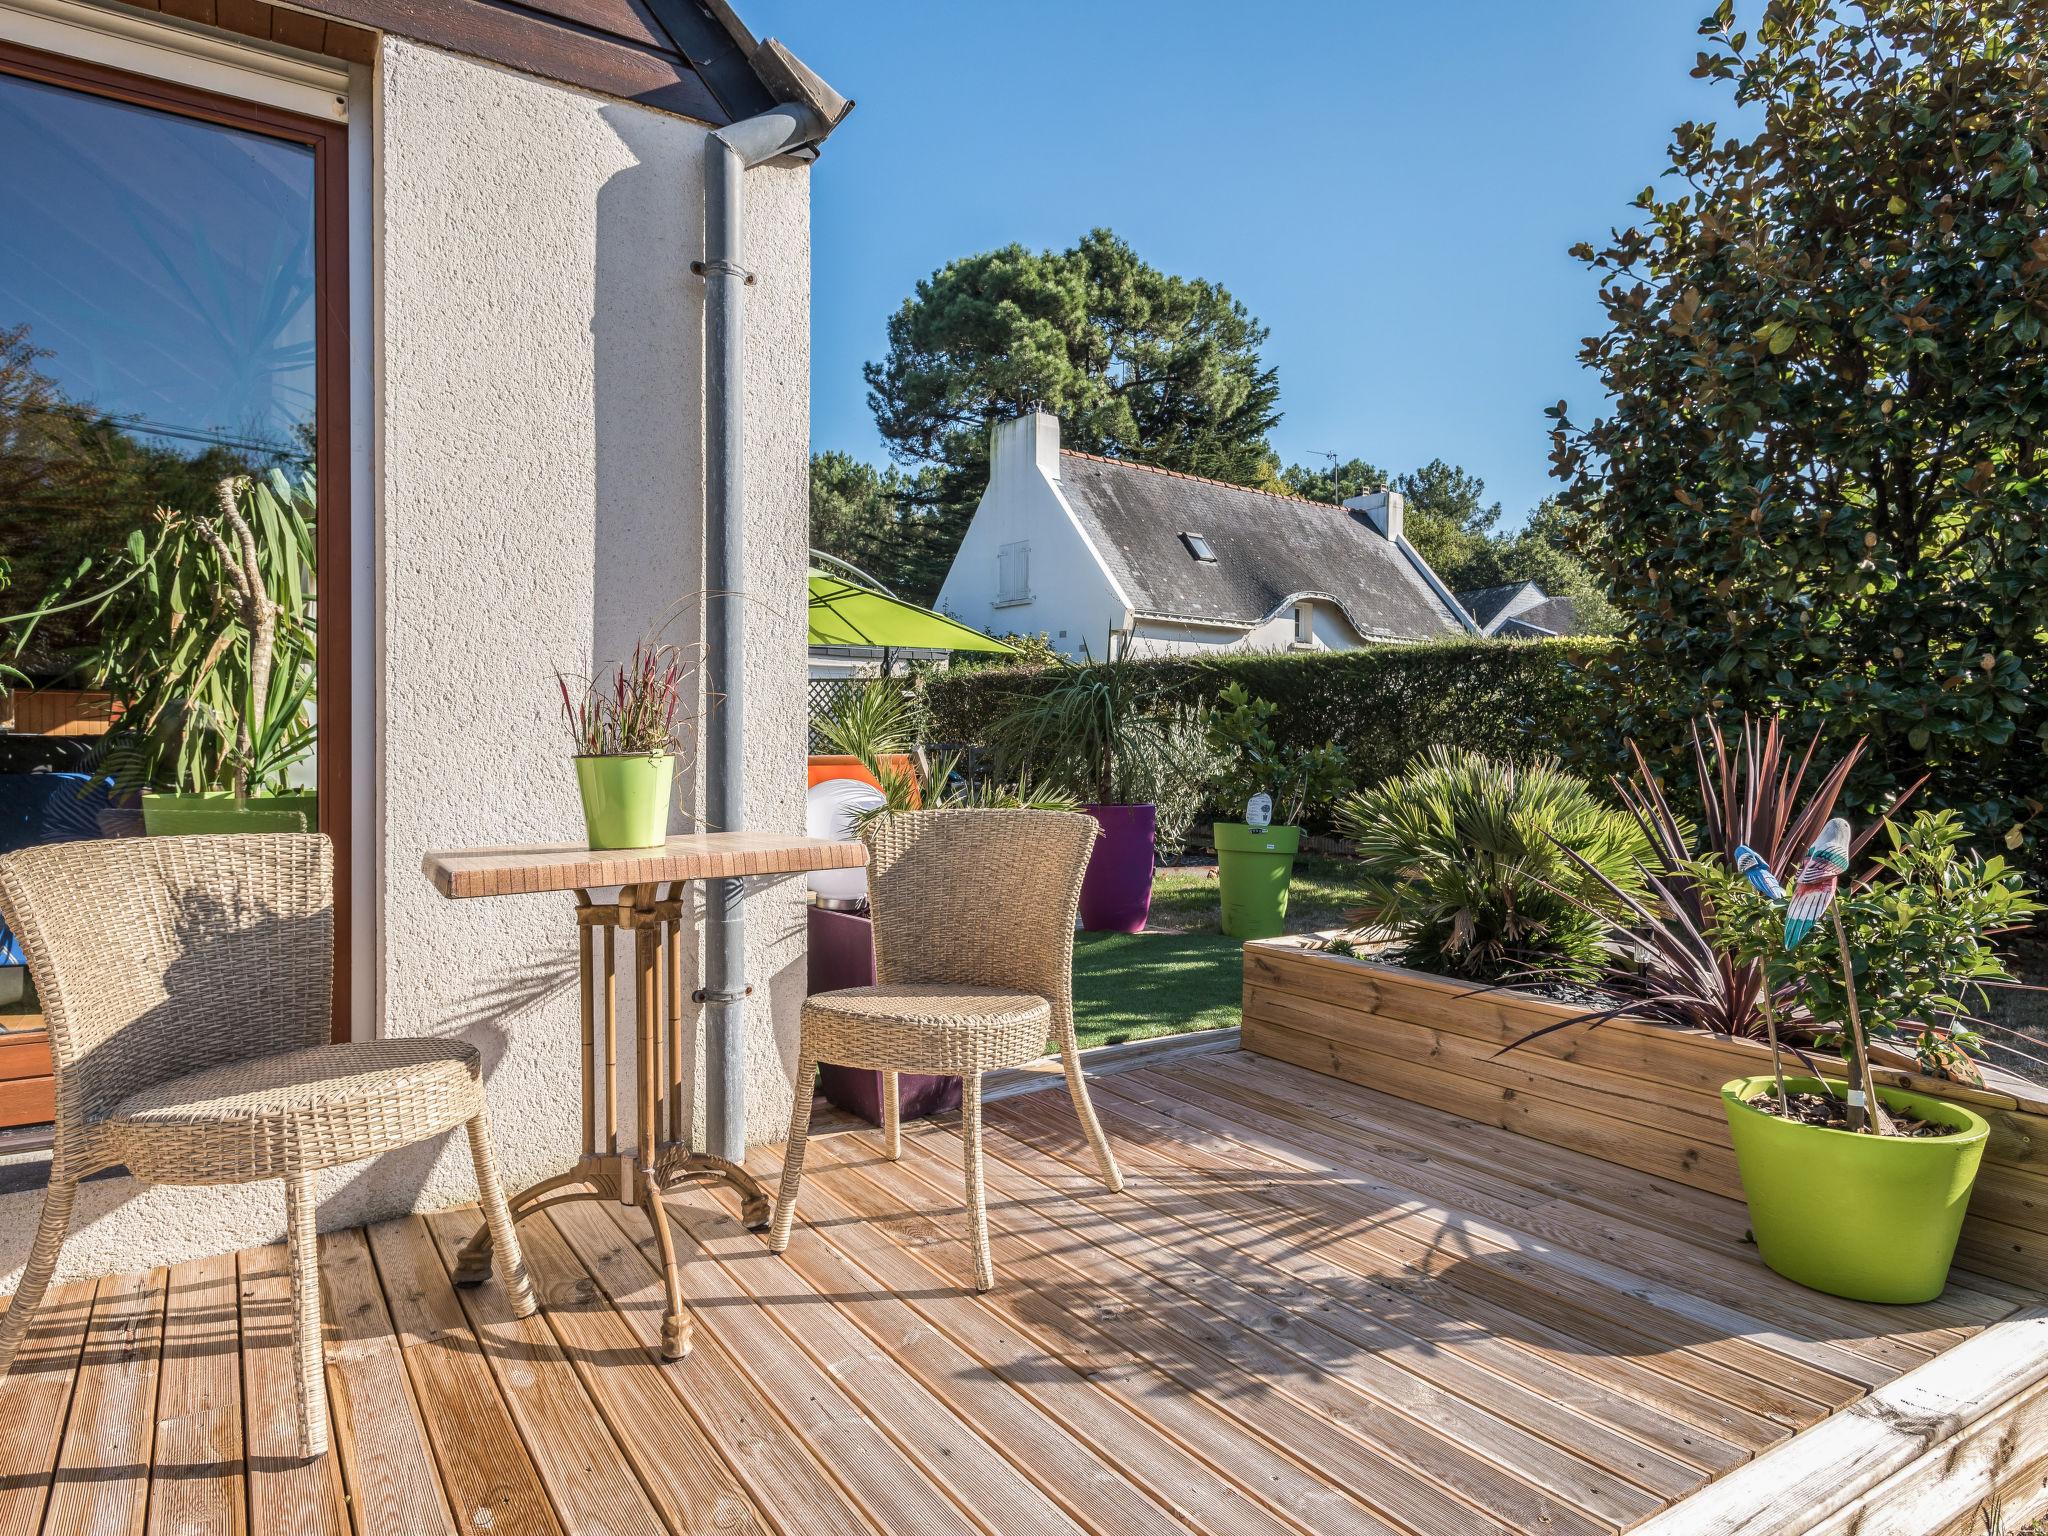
[[1493, 870]]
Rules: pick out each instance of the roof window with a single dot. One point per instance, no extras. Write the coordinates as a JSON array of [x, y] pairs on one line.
[[1198, 547]]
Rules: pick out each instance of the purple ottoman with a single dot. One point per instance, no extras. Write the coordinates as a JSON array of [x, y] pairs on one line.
[[842, 954]]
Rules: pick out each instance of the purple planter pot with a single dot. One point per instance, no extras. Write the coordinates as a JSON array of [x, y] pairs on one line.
[[1116, 893], [842, 954]]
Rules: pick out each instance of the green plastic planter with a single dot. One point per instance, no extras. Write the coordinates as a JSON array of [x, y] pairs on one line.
[[625, 799], [217, 811], [1254, 870], [1872, 1218]]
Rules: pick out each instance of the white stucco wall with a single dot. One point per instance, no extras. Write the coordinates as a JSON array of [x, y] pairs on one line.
[[538, 502], [1069, 591]]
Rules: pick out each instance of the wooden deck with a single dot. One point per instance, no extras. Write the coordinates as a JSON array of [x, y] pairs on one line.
[[1316, 1309]]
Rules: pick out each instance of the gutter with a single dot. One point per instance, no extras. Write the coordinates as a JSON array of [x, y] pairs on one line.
[[809, 111]]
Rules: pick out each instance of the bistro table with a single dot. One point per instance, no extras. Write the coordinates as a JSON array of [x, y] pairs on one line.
[[649, 906]]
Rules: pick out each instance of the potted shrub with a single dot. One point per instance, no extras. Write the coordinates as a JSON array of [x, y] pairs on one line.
[[1853, 1190], [1255, 859], [1106, 734], [626, 724], [206, 647], [1493, 871]]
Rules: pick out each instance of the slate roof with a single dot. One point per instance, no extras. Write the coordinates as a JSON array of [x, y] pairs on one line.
[[1545, 615], [1269, 550], [1485, 603]]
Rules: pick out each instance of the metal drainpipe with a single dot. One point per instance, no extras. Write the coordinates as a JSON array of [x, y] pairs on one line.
[[731, 151]]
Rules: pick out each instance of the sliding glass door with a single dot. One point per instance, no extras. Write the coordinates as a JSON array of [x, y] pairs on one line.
[[171, 442]]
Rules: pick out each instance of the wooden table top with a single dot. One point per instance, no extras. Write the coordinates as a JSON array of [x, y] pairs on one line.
[[464, 872]]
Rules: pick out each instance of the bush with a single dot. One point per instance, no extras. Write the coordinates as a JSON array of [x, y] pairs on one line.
[[1463, 858], [1383, 705]]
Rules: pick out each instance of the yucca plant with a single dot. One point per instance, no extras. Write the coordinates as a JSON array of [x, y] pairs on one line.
[[1753, 792], [1465, 859], [868, 721], [207, 641]]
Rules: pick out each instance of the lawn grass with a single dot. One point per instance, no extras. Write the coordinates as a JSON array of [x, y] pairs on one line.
[[1128, 986], [1182, 974]]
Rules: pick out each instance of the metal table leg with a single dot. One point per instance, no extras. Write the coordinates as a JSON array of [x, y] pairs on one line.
[[657, 1162]]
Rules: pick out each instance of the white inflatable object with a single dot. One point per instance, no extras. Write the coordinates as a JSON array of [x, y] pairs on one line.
[[1258, 811], [829, 811]]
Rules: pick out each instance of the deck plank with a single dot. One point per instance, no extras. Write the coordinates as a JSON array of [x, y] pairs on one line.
[[1312, 1311], [1825, 1374], [386, 1462], [287, 1492], [874, 1469], [680, 1470], [781, 1470], [1094, 1490], [589, 1476], [486, 1471], [195, 1480], [1223, 1243], [1270, 1225], [944, 1443], [35, 1403], [1434, 1435], [102, 1477], [1163, 1356], [1196, 1495]]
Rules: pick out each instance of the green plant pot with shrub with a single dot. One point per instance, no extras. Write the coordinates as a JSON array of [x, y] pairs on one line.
[[1254, 869], [627, 724], [170, 814], [1254, 862], [1855, 1190], [1870, 1218]]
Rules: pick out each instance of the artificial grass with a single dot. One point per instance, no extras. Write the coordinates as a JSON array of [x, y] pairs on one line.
[[1128, 986]]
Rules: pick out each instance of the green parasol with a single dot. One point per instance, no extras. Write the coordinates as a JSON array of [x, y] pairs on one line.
[[845, 613]]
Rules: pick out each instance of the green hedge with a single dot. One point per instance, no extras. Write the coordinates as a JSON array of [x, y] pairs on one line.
[[1383, 704]]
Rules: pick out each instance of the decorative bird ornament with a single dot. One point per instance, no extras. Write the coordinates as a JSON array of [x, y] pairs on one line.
[[1814, 889], [1751, 866]]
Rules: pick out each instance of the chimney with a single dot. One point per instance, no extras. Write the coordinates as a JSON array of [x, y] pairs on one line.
[[1383, 510], [1032, 439]]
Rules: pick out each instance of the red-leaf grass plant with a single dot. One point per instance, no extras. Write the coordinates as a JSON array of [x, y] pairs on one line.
[[1753, 791], [633, 708]]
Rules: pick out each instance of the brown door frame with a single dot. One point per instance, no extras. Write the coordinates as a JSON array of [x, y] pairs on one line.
[[329, 143]]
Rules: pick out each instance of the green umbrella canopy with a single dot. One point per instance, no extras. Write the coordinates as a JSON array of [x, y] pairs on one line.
[[845, 613]]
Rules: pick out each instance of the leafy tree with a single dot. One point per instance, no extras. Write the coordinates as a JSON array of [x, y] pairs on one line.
[[1450, 523], [871, 519], [76, 486], [1135, 362], [1820, 486]]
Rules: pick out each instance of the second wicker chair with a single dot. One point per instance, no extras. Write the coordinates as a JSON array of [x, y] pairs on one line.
[[974, 964]]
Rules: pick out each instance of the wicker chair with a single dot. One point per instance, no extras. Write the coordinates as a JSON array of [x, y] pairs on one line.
[[187, 982], [974, 960]]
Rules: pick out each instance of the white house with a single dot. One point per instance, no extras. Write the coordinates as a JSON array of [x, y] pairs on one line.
[[462, 258], [1100, 555], [1520, 610]]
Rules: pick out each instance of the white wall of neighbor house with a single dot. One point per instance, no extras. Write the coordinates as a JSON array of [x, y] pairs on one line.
[[536, 368], [1328, 630], [1068, 596]]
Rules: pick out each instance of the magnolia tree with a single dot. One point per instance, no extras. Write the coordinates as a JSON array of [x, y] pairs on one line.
[[1820, 486]]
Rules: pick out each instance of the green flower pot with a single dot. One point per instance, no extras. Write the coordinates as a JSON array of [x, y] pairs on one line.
[[1871, 1218], [625, 799], [1254, 870], [217, 811]]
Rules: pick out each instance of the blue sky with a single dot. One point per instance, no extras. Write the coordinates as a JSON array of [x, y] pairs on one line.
[[1390, 187]]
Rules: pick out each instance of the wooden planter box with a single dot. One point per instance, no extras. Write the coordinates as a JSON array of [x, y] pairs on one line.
[[1629, 1092]]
